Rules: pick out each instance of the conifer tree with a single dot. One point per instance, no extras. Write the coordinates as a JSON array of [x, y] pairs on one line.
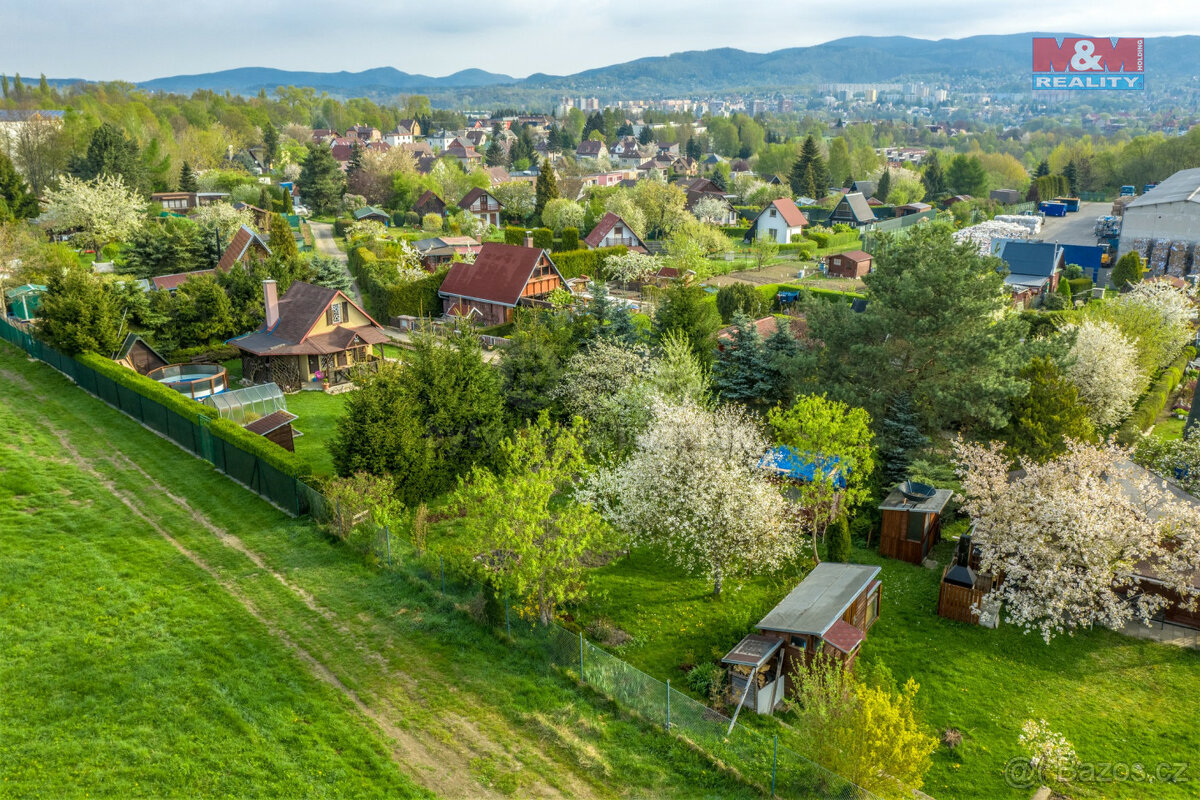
[[646, 136], [1071, 173], [17, 200], [884, 187], [1128, 271], [900, 438], [934, 178], [187, 179], [1043, 169], [546, 188], [282, 242], [740, 374], [809, 160], [270, 143], [839, 541]]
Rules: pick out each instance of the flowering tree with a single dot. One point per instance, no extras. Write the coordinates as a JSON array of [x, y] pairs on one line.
[[631, 266], [1174, 459], [1049, 751], [1155, 317], [1103, 366], [561, 213], [104, 210], [594, 387], [517, 198], [709, 209], [222, 218], [1068, 535], [621, 203], [693, 487], [365, 231], [529, 535]]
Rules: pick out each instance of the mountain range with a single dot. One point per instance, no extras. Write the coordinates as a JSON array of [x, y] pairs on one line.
[[998, 63]]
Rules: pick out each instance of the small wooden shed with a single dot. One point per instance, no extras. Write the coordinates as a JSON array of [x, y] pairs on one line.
[[912, 521], [851, 264], [277, 427]]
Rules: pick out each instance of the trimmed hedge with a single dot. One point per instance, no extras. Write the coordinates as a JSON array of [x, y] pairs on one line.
[[1155, 400], [573, 263], [385, 297], [514, 235], [1079, 285], [543, 238], [827, 239], [570, 239], [770, 291], [189, 409], [736, 232]]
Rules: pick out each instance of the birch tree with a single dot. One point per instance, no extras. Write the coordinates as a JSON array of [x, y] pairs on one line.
[[693, 487], [1068, 536]]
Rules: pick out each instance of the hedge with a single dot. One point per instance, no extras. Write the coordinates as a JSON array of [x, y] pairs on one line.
[[1080, 285], [770, 293], [736, 231], [570, 239], [189, 409], [1155, 400], [385, 297], [573, 263], [543, 238], [218, 353], [514, 235], [341, 225], [828, 239]]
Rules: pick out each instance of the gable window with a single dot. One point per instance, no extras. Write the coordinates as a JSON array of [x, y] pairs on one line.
[[773, 212], [335, 313]]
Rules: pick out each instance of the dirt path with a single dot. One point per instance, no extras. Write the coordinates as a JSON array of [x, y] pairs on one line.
[[440, 760], [325, 244]]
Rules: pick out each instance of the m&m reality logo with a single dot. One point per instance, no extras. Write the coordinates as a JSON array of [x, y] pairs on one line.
[[1088, 63]]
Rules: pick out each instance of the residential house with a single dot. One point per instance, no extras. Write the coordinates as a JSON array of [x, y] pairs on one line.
[[441, 140], [865, 188], [852, 210], [826, 616], [477, 138], [438, 251], [13, 121], [612, 231], [497, 175], [779, 221], [313, 333], [590, 149], [729, 215], [670, 149], [325, 135], [364, 134], [502, 277], [625, 146], [465, 153], [405, 132], [246, 243], [482, 204], [603, 179], [181, 202], [1034, 268], [852, 264], [429, 203], [373, 214]]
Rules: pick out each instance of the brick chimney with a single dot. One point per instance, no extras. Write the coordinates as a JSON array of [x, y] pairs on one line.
[[271, 303], [529, 238]]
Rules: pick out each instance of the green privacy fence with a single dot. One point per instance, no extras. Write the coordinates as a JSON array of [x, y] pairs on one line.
[[194, 435], [758, 759]]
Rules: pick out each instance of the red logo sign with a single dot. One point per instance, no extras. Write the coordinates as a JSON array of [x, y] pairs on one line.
[[1087, 55]]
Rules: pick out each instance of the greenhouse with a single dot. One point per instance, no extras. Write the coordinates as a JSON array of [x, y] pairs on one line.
[[246, 405]]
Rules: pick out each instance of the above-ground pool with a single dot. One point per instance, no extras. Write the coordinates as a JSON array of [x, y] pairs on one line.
[[194, 380]]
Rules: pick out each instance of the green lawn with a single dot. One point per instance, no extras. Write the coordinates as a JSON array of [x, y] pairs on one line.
[[1115, 698], [318, 413], [248, 656], [1170, 428]]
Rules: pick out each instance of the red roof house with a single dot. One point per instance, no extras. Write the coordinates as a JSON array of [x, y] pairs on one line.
[[612, 231], [502, 277], [243, 241]]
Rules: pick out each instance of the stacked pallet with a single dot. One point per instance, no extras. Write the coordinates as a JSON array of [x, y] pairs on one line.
[[1179, 260], [1156, 264]]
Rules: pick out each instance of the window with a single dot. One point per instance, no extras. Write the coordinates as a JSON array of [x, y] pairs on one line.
[[916, 527], [799, 641], [873, 607], [335, 313], [772, 212]]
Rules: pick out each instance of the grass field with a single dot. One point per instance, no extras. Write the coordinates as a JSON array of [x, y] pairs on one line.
[[318, 413], [1117, 699], [166, 634]]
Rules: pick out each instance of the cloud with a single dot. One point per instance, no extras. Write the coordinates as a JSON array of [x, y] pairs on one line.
[[131, 40]]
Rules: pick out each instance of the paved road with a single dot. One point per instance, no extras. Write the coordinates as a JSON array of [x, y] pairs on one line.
[[1076, 228], [325, 245]]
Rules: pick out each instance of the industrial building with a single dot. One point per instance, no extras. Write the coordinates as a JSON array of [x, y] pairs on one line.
[[1163, 225]]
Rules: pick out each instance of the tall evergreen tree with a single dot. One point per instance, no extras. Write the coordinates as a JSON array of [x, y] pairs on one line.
[[1048, 414], [1129, 270], [686, 308], [741, 371], [187, 179], [1071, 173], [17, 200], [281, 241], [111, 152], [77, 314], [546, 188], [4, 85], [322, 182], [884, 187], [839, 542], [646, 135], [780, 348], [1043, 169], [900, 438], [270, 143], [933, 177], [809, 161], [495, 154]]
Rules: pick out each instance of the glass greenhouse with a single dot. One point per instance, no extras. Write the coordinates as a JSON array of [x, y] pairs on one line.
[[246, 405]]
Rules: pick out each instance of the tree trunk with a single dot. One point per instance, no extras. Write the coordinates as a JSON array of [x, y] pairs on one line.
[[816, 556], [717, 584]]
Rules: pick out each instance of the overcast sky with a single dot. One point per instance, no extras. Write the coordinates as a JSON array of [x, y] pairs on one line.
[[137, 40]]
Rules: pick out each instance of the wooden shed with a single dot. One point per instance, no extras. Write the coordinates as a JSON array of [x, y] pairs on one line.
[[912, 521], [828, 614], [276, 426], [851, 264]]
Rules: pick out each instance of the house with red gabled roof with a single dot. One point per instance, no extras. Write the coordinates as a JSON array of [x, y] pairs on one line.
[[503, 277], [482, 204], [311, 334], [245, 242], [429, 203], [779, 222], [590, 149], [465, 153], [612, 231]]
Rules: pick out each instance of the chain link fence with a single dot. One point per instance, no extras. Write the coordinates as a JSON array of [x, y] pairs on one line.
[[757, 759]]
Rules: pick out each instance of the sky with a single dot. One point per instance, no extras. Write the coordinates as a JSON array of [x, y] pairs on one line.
[[137, 40]]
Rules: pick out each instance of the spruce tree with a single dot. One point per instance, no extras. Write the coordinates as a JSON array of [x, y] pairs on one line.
[[808, 161], [884, 187], [270, 143], [111, 152], [646, 136], [839, 542], [1043, 169], [740, 374], [780, 349], [330, 272], [187, 179], [1128, 271], [17, 200], [1048, 414], [900, 438], [1071, 173], [322, 182], [494, 156], [546, 188], [934, 178]]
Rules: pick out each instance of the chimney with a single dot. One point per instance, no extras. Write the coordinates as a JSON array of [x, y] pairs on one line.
[[529, 238], [270, 303]]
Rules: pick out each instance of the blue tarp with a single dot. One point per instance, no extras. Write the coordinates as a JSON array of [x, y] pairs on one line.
[[788, 297], [802, 466]]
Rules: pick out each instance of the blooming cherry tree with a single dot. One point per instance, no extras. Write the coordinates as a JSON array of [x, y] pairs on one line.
[[631, 266], [104, 209], [1069, 537], [1103, 366], [693, 486]]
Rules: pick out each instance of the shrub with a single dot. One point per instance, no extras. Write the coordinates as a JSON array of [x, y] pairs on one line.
[[573, 263], [705, 678], [514, 235], [412, 219], [205, 353], [1155, 400], [341, 225], [570, 238], [818, 235], [739, 297], [431, 223], [839, 541], [1081, 288], [543, 238], [736, 232]]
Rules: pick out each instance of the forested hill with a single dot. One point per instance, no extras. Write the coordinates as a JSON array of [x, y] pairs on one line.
[[991, 63]]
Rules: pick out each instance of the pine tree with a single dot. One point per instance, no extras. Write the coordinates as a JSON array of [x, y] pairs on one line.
[[884, 188], [839, 542], [270, 143], [1043, 169], [741, 372], [900, 438], [1071, 173], [1128, 271], [17, 200], [809, 159], [646, 136], [322, 182], [546, 188], [187, 179], [934, 178]]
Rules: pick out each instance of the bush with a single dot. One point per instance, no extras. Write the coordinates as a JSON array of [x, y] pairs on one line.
[[1081, 288], [736, 232], [839, 541], [739, 297], [543, 238], [819, 235], [205, 353], [514, 235], [570, 238], [1155, 400], [431, 223], [341, 225], [705, 678], [770, 293], [412, 219]]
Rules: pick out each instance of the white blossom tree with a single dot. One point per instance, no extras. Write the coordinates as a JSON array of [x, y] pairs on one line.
[[693, 487], [222, 218], [1068, 536], [562, 213], [631, 266], [596, 386], [365, 231], [709, 209], [518, 198], [103, 210], [1104, 367]]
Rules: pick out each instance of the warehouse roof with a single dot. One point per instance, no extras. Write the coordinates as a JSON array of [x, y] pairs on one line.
[[1182, 186]]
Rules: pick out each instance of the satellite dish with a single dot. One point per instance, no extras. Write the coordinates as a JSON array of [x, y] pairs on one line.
[[917, 492]]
